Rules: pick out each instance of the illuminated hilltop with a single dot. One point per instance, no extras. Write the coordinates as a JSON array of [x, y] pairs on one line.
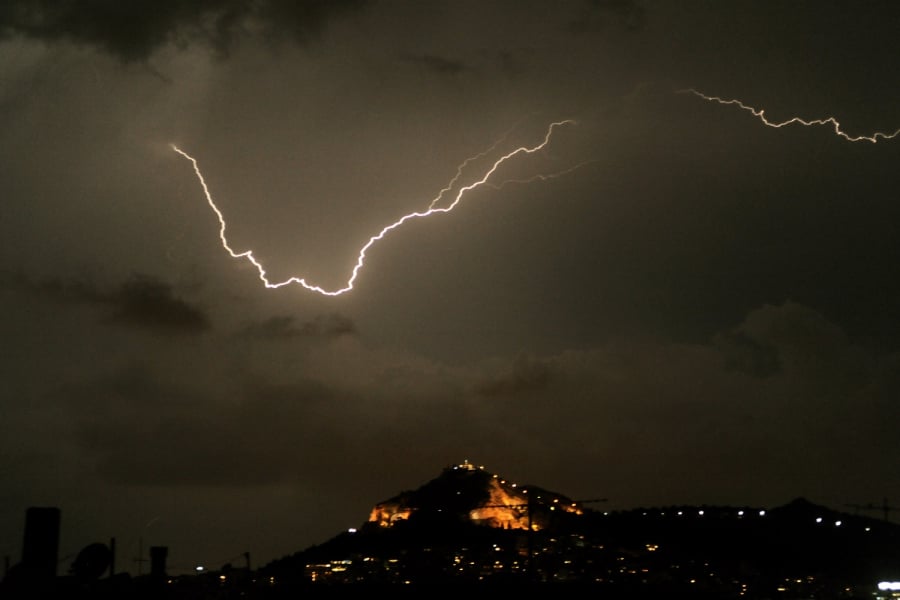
[[470, 527], [469, 530], [470, 493]]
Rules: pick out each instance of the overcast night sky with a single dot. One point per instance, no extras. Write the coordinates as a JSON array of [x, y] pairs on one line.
[[699, 308]]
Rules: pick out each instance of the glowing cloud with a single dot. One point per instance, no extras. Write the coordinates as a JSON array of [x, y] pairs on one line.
[[760, 114], [433, 209]]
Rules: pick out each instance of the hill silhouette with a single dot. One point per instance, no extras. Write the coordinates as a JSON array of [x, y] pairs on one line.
[[469, 527], [472, 531]]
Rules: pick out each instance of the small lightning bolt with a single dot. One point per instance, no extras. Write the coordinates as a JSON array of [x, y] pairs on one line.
[[463, 165], [760, 114], [540, 176], [433, 209]]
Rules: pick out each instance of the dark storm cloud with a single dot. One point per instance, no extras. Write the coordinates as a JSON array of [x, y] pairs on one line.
[[139, 428], [143, 430], [437, 64], [150, 304], [788, 336], [286, 327], [801, 342], [526, 374], [55, 289], [598, 13], [747, 355], [143, 302], [132, 31]]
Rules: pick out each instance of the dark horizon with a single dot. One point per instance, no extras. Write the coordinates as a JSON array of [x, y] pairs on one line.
[[48, 526], [718, 552]]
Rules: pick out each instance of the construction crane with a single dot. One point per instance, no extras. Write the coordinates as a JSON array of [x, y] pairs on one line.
[[884, 507]]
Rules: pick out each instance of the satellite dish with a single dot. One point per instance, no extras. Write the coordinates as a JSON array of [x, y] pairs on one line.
[[92, 561]]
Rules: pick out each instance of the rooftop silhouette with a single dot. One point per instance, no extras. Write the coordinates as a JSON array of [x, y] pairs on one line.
[[468, 528]]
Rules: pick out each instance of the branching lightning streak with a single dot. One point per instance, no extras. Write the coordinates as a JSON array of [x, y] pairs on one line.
[[462, 166], [432, 209], [539, 176], [760, 114]]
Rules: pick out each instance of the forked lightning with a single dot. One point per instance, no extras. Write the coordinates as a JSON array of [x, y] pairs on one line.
[[760, 114], [432, 209]]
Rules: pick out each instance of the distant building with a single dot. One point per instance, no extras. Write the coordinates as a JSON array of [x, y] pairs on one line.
[[158, 555], [40, 548]]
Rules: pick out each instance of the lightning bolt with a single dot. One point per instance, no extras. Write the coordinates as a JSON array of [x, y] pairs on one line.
[[433, 208], [539, 176], [760, 114], [463, 165]]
